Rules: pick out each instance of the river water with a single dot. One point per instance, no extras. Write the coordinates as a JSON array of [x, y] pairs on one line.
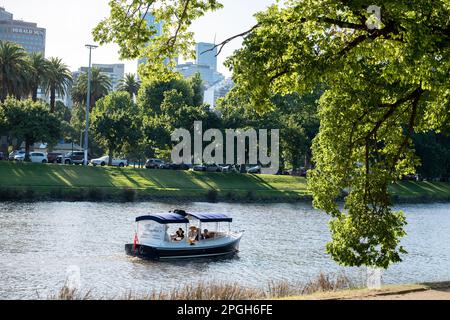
[[40, 242]]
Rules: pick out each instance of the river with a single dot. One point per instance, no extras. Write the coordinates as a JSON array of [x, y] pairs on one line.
[[286, 242]]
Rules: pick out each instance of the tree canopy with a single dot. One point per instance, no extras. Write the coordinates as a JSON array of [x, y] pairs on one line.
[[385, 79], [114, 122]]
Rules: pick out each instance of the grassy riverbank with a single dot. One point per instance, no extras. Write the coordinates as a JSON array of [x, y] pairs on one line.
[[24, 181], [324, 287]]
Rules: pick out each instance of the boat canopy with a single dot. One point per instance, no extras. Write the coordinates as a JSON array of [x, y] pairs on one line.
[[211, 217], [164, 218], [180, 216]]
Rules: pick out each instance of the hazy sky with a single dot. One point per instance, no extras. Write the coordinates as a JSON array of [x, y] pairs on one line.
[[69, 25]]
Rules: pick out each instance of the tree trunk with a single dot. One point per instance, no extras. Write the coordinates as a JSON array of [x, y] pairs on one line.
[[34, 94], [52, 100], [27, 151], [110, 156]]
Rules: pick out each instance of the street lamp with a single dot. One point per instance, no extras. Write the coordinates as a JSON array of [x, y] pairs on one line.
[[88, 104]]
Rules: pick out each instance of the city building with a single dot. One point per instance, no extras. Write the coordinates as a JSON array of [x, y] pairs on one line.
[[26, 34], [206, 54], [217, 91], [208, 75]]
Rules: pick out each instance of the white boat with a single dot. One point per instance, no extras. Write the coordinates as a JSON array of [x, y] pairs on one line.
[[156, 237]]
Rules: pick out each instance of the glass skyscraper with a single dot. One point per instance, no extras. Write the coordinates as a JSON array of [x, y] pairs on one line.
[[207, 55], [26, 34]]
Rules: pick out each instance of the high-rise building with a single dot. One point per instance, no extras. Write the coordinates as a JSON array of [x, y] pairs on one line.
[[206, 55], [26, 34], [157, 26], [218, 90]]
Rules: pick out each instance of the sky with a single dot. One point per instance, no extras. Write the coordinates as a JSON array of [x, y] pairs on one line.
[[69, 27]]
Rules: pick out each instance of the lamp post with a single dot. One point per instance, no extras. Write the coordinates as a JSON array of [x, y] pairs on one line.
[[88, 104]]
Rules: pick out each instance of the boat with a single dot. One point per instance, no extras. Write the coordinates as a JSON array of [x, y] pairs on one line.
[[165, 236]]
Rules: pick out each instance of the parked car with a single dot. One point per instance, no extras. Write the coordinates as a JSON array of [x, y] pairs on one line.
[[13, 154], [54, 157], [213, 168], [199, 167], [299, 172], [103, 161], [76, 157], [181, 166], [254, 170], [154, 164], [35, 157], [38, 157], [228, 168], [19, 156], [410, 177]]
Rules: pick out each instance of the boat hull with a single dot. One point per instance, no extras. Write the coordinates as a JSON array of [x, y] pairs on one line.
[[154, 253]]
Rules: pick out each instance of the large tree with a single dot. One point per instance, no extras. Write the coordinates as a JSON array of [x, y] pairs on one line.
[[114, 122], [31, 122], [38, 73], [58, 79], [100, 87], [130, 84], [14, 66], [385, 79]]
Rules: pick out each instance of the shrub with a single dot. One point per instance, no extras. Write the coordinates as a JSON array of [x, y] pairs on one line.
[[95, 194], [212, 196], [129, 195]]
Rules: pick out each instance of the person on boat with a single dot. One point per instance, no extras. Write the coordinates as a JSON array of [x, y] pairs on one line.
[[193, 234], [206, 234], [180, 234]]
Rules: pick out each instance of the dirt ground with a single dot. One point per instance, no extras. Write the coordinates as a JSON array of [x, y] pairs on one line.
[[441, 294]]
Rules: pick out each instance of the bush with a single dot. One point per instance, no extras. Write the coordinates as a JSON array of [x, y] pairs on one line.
[[250, 196], [95, 194], [129, 195], [212, 196], [28, 195], [9, 195]]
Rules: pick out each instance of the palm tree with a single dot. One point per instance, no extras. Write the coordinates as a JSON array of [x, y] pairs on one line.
[[39, 72], [100, 87], [13, 69], [129, 84], [57, 81]]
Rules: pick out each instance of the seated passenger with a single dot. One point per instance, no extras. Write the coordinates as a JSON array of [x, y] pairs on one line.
[[179, 234], [193, 234], [206, 234]]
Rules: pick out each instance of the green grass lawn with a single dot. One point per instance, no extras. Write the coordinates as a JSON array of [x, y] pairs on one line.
[[45, 180]]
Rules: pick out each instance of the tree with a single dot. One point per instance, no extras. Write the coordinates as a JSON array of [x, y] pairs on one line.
[[58, 79], [384, 81], [198, 88], [152, 94], [38, 73], [100, 87], [114, 122], [13, 67], [130, 84], [433, 151], [30, 121]]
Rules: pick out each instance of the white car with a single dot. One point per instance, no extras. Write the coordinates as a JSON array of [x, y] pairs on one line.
[[35, 157], [20, 156], [104, 161]]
